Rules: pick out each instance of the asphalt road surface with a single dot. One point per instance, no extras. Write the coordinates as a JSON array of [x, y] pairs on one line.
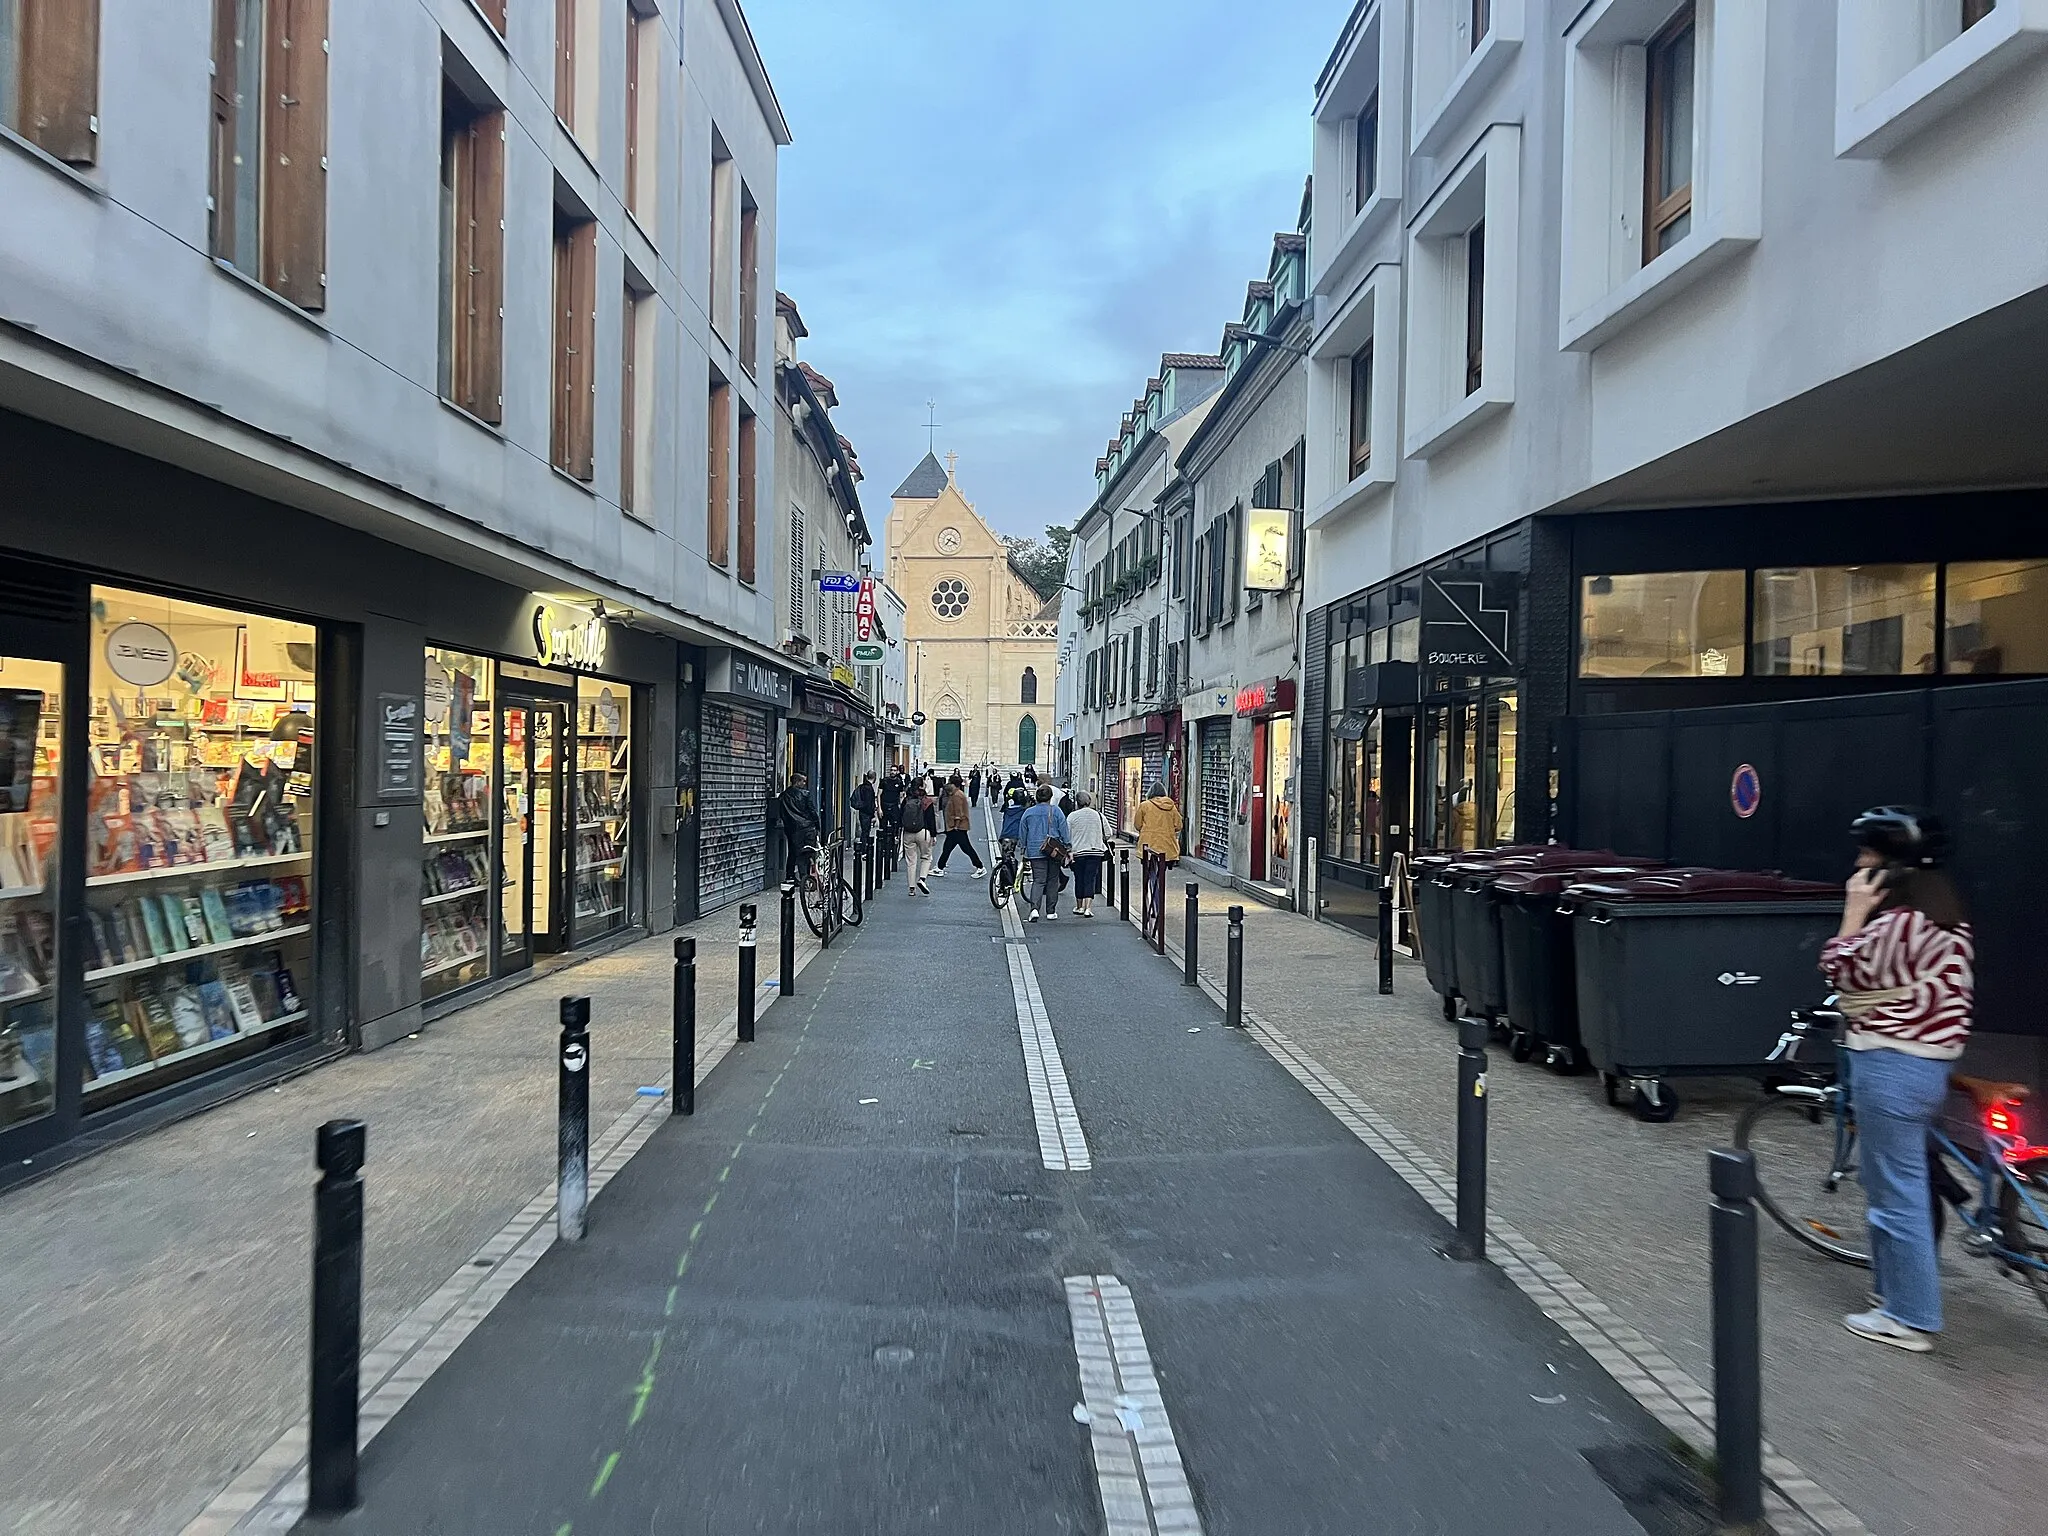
[[1002, 1232]]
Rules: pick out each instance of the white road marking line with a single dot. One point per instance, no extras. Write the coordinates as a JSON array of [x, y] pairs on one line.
[[1138, 1469], [1062, 1145]]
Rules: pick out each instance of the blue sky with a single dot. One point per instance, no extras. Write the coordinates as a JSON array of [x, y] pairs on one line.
[[1013, 210]]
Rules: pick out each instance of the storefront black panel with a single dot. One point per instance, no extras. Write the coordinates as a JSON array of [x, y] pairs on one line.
[[1707, 746], [1622, 797], [1835, 757]]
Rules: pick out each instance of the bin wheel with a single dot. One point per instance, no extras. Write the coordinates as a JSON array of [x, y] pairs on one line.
[[1655, 1102], [1450, 1007], [1564, 1060], [1521, 1044], [1610, 1085]]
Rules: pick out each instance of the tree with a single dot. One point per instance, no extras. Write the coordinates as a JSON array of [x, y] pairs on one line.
[[1041, 562]]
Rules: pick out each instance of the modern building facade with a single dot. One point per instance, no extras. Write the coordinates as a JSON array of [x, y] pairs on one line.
[[379, 390], [1664, 357], [1125, 639], [981, 642]]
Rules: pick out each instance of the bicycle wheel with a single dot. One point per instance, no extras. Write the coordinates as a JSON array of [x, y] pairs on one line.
[[1793, 1141], [2022, 1228], [810, 895], [848, 912], [1001, 878]]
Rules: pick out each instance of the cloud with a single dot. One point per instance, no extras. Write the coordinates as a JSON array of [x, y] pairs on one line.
[[1013, 211]]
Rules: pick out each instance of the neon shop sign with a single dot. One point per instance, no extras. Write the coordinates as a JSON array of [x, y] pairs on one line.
[[579, 643]]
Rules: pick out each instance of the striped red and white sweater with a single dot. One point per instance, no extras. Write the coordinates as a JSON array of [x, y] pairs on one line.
[[1925, 975]]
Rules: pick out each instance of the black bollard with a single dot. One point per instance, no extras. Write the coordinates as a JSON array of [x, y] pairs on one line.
[[1470, 1242], [337, 1318], [1190, 946], [1738, 1340], [860, 881], [682, 1092], [1123, 881], [748, 986], [572, 1121], [1386, 935], [787, 986], [1233, 971]]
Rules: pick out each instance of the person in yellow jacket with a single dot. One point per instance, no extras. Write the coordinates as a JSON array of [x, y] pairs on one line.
[[1158, 823]]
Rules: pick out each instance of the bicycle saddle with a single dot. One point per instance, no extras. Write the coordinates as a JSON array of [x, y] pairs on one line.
[[1987, 1092]]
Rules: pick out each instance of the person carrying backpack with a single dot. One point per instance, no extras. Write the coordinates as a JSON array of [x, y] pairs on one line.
[[917, 822]]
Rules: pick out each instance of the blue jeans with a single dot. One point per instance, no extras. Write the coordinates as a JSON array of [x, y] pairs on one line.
[[1898, 1098]]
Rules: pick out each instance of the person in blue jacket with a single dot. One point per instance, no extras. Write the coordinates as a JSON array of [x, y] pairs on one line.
[[1044, 824], [1015, 803]]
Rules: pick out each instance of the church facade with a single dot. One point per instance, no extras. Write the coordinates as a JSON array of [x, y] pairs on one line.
[[981, 641]]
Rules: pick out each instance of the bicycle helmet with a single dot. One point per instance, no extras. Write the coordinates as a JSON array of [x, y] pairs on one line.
[[1902, 834]]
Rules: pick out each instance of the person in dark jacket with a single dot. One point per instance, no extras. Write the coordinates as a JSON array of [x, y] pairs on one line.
[[974, 785], [959, 818], [799, 826], [865, 803]]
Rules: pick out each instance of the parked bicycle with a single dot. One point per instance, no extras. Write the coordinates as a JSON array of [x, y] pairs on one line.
[[824, 892], [1803, 1135]]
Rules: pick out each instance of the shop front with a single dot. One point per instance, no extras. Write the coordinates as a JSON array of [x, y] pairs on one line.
[[744, 703], [1210, 797], [826, 741], [1132, 763], [1266, 808]]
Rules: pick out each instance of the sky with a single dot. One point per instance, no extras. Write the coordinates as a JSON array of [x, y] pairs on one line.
[[1011, 211]]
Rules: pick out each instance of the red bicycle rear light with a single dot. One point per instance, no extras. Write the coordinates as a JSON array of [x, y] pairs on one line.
[[2002, 1119]]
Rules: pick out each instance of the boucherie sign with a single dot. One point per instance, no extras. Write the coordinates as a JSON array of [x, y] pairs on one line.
[[569, 639]]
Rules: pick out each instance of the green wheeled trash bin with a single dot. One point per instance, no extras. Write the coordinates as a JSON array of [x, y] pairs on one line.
[[1537, 976], [1476, 930]]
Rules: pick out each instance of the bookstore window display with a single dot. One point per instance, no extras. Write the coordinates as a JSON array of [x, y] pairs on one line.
[[602, 805], [455, 872], [31, 735], [199, 838]]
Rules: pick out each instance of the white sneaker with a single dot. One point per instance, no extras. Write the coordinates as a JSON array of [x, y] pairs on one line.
[[1052, 917], [1883, 1328], [1032, 918], [938, 874]]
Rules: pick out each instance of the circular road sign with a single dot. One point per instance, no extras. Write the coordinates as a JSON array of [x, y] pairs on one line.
[[1745, 791]]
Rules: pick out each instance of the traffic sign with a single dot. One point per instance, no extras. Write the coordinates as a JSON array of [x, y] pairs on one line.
[[918, 718], [838, 581], [867, 651]]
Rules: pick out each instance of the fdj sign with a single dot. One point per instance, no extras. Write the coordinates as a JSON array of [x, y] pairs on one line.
[[578, 645]]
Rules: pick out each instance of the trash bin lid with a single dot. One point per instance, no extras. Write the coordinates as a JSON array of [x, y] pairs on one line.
[[1551, 881], [1693, 884], [1472, 872]]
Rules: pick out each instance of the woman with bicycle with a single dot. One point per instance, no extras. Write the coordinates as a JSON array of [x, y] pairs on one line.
[[1903, 965]]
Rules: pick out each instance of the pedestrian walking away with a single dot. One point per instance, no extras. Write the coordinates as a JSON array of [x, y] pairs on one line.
[[1088, 836], [1158, 823], [974, 786], [865, 802], [1903, 966], [1045, 838], [799, 826], [918, 821], [959, 822]]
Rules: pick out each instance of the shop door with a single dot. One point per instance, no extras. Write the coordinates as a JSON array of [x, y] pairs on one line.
[[1257, 867], [1279, 831], [531, 844]]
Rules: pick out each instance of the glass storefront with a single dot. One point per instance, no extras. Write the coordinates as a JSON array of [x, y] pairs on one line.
[[1662, 624], [199, 838], [1844, 621], [1996, 617], [31, 790], [455, 872], [602, 806], [1279, 784]]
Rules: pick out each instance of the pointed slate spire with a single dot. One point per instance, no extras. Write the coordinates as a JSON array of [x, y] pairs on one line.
[[923, 483]]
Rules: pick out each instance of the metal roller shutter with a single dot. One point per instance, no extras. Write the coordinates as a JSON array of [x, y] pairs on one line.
[[732, 803], [1215, 747]]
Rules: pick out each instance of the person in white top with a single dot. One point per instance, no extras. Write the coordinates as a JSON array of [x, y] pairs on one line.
[[1091, 845]]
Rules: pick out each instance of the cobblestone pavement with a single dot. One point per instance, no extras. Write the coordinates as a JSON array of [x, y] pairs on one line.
[[156, 1325], [1943, 1443]]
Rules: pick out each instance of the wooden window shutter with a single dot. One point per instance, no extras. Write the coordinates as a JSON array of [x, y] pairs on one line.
[[633, 24], [295, 152], [583, 402], [484, 395], [749, 455], [717, 478], [565, 348], [494, 13], [221, 184], [629, 396], [60, 78], [565, 60]]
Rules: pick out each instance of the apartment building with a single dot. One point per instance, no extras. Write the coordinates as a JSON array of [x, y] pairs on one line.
[[378, 391], [1667, 354]]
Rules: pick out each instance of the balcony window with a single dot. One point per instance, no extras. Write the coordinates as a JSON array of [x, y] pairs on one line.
[[1668, 137], [1661, 624]]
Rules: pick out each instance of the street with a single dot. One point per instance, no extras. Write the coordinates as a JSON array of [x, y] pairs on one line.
[[837, 1298]]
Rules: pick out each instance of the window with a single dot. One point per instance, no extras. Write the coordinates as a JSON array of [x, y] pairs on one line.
[[1997, 617], [1028, 692], [749, 472], [1481, 21], [750, 280], [1458, 300], [1661, 624], [1152, 628], [1027, 740], [718, 487], [799, 588], [1845, 621], [949, 598], [643, 115], [1365, 153], [1668, 137], [494, 13], [572, 445], [472, 256], [50, 76], [1475, 306], [576, 60], [269, 150], [1134, 661], [1361, 411], [1902, 66], [1461, 47], [637, 315], [722, 179]]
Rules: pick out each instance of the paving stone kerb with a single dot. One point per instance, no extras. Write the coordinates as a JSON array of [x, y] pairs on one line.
[[156, 1329], [1943, 1443]]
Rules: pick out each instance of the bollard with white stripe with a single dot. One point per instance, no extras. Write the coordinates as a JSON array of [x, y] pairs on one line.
[[682, 1096], [572, 1121], [747, 984], [1233, 971], [1470, 1241]]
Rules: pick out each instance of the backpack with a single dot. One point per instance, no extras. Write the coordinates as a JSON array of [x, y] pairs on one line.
[[912, 815]]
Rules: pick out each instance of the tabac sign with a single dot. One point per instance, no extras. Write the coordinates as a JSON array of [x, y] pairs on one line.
[[1464, 626]]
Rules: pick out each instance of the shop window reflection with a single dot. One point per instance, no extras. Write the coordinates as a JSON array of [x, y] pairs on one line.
[[1996, 617], [31, 736], [1845, 621], [1662, 624]]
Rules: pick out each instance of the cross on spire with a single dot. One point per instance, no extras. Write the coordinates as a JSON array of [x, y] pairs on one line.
[[931, 412], [952, 464]]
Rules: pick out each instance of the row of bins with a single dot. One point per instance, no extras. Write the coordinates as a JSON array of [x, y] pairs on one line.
[[1639, 971]]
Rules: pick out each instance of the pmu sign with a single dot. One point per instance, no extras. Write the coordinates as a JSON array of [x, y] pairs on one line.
[[1461, 630], [864, 610]]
